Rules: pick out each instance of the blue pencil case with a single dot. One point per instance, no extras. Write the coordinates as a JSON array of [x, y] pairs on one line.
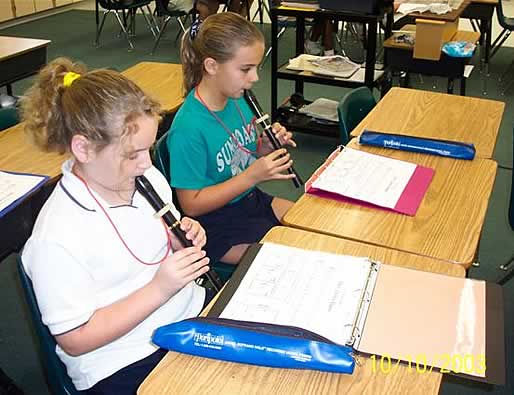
[[451, 149], [255, 343]]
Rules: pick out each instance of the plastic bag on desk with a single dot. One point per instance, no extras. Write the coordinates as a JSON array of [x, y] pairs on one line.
[[255, 343], [459, 49]]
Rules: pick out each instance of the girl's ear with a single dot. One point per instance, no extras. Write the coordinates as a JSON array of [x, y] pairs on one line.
[[82, 149], [210, 66]]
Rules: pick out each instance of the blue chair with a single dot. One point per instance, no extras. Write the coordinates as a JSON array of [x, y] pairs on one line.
[[161, 159], [507, 266], [8, 117], [352, 109], [56, 376]]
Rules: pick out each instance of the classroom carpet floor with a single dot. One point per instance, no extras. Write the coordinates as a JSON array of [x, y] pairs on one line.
[[72, 34]]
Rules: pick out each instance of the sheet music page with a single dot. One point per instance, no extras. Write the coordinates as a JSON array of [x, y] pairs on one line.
[[15, 186], [312, 290], [367, 177]]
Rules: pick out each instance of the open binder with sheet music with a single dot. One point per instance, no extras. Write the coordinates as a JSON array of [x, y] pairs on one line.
[[14, 187], [430, 321]]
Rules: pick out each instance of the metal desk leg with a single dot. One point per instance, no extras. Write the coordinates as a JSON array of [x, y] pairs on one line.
[[369, 75], [274, 64], [300, 43], [449, 87]]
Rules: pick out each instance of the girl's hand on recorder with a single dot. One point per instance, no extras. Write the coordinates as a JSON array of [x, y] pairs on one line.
[[271, 167], [179, 269], [194, 231], [283, 136]]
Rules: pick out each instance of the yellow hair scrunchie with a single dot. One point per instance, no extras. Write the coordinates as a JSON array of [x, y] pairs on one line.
[[69, 77]]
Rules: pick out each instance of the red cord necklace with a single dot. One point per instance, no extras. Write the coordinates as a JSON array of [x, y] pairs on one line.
[[168, 243], [231, 135]]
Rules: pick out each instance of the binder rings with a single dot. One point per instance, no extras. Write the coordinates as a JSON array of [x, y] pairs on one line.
[[401, 189], [436, 322]]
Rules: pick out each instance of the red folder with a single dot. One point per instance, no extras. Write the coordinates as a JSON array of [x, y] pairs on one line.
[[408, 202]]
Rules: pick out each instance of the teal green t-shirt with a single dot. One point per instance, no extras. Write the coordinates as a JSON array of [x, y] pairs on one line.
[[202, 152]]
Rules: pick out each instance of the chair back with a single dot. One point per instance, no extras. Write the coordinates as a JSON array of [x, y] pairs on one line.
[[57, 378], [502, 19], [163, 8], [8, 117], [122, 4], [511, 205], [161, 156], [352, 109]]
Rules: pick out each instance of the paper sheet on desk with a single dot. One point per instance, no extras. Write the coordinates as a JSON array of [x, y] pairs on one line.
[[371, 180], [313, 290], [436, 8], [14, 186]]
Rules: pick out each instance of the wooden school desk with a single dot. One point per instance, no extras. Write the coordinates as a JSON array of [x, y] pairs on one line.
[[437, 115], [18, 155], [163, 81], [446, 226], [20, 58], [400, 57], [185, 374]]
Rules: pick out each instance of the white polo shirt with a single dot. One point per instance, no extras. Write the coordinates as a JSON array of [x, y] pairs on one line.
[[78, 264]]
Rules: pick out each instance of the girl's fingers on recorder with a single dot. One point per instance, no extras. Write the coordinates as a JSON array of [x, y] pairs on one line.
[[197, 269], [173, 273], [195, 231], [283, 135]]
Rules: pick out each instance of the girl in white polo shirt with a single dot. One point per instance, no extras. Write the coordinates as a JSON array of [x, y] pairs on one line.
[[106, 273]]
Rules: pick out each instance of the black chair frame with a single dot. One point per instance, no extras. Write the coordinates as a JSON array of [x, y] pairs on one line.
[[127, 19]]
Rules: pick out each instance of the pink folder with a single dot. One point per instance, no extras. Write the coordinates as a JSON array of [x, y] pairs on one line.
[[408, 202]]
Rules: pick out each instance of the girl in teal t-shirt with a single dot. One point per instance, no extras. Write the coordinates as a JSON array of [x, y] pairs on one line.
[[216, 156]]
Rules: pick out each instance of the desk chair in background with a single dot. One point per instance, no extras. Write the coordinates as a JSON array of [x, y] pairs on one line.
[[161, 160], [507, 24], [165, 13], [8, 111], [127, 20], [8, 117], [509, 266], [57, 378], [352, 109]]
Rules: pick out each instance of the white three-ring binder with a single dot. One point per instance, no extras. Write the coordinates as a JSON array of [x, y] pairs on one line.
[[426, 319]]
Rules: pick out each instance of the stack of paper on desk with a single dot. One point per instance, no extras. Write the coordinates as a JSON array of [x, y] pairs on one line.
[[14, 187], [364, 178]]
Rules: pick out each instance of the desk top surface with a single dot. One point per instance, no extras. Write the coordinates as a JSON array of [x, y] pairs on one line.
[[13, 46], [492, 2], [180, 373], [19, 155], [450, 16], [163, 81], [437, 115], [460, 35], [446, 226]]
